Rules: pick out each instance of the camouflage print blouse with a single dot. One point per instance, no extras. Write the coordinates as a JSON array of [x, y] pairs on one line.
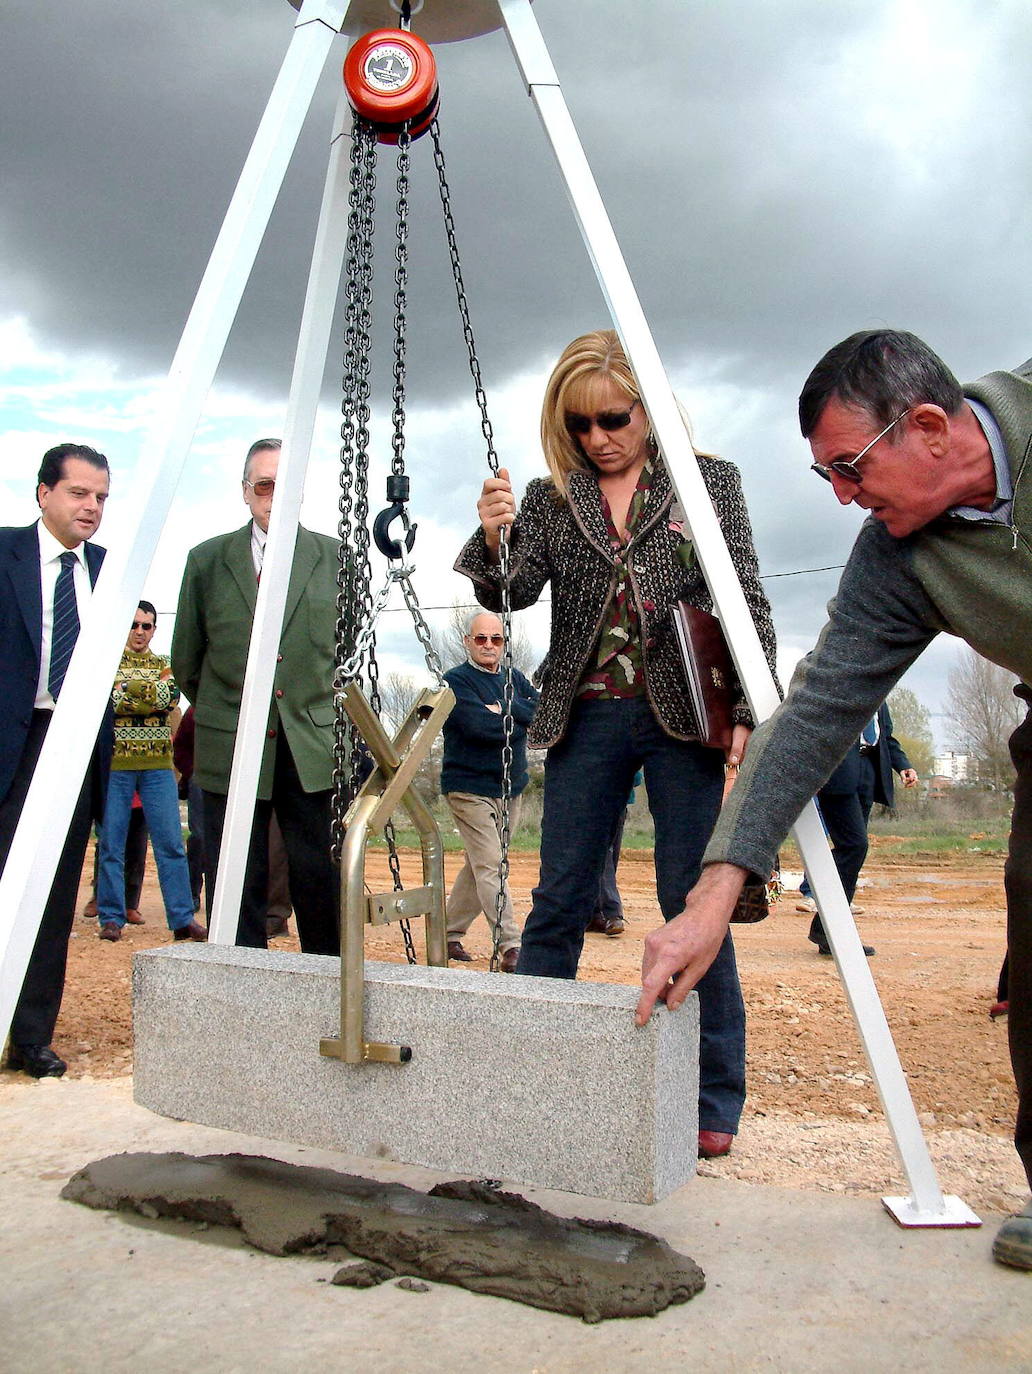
[[617, 670]]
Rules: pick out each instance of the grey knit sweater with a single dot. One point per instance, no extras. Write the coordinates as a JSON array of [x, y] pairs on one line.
[[566, 542]]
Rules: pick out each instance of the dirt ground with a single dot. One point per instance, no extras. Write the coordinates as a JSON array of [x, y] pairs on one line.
[[938, 930]]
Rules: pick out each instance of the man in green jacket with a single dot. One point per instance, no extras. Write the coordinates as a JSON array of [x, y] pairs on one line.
[[946, 476], [209, 656]]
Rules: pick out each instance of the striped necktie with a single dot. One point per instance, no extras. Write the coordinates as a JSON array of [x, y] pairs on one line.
[[66, 624]]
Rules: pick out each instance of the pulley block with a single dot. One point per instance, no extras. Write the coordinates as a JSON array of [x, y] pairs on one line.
[[391, 80]]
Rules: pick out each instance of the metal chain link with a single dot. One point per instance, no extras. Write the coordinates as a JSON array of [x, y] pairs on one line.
[[353, 571], [503, 550]]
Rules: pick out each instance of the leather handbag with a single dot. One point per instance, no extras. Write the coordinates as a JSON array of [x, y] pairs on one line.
[[708, 668], [754, 901]]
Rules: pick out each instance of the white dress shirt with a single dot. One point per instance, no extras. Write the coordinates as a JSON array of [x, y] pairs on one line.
[[50, 551], [258, 538]]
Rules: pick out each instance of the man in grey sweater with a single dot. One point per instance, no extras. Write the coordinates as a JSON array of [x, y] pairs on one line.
[[945, 474]]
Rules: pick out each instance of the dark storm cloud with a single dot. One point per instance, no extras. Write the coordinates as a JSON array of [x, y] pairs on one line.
[[778, 176]]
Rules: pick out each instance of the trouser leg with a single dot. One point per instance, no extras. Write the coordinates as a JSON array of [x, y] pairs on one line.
[[135, 857], [160, 798], [846, 824], [610, 907], [195, 845], [1018, 883], [304, 819], [685, 784], [39, 1002], [588, 777], [279, 873], [479, 822], [251, 921], [113, 832]]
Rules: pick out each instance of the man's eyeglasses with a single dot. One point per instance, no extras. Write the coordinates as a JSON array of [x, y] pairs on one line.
[[265, 486], [609, 420], [139, 625], [481, 640], [849, 468]]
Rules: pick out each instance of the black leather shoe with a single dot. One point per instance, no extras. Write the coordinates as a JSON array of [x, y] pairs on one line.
[[823, 949], [193, 931], [38, 1061]]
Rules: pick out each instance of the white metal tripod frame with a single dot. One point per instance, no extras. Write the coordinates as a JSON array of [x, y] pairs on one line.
[[63, 761], [30, 867]]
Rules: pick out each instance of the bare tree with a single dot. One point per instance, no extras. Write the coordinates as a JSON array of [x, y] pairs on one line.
[[911, 726], [448, 640], [398, 692], [984, 711]]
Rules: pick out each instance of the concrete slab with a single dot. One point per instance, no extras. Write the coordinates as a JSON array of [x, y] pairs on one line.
[[538, 1080], [796, 1281]]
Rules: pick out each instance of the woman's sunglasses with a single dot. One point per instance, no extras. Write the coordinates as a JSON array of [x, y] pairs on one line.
[[609, 420]]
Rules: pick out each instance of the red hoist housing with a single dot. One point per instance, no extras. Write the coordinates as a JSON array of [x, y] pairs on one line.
[[391, 79]]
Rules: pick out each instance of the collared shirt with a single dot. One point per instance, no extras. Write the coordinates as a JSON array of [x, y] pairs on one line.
[[50, 551], [617, 670], [1000, 510], [480, 667], [258, 538]]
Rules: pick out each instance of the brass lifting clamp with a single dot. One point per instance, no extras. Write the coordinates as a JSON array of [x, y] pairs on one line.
[[388, 786]]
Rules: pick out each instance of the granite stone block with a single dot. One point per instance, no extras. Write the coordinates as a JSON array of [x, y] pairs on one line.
[[536, 1081]]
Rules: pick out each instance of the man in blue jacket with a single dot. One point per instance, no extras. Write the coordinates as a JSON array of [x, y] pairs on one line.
[[471, 781], [862, 778]]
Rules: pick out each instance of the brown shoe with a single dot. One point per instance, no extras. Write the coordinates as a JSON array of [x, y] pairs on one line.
[[110, 930], [714, 1143], [193, 931], [89, 911], [509, 960], [615, 927], [597, 925], [133, 917], [455, 951]]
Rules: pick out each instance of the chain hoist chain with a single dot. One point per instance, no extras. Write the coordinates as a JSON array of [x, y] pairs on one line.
[[400, 305], [398, 446], [353, 572], [503, 551]]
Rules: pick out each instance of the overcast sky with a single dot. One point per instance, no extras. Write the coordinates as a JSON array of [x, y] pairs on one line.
[[778, 175]]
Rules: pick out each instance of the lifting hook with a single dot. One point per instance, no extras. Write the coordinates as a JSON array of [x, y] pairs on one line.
[[397, 495]]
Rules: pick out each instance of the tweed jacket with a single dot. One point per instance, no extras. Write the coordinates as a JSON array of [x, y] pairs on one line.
[[567, 542], [209, 656]]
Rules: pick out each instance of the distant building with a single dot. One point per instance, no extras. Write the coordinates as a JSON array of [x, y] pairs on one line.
[[956, 767]]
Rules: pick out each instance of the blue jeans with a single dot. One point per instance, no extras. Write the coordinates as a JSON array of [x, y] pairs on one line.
[[588, 776], [157, 789]]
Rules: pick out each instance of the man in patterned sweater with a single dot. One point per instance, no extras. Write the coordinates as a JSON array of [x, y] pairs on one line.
[[144, 696]]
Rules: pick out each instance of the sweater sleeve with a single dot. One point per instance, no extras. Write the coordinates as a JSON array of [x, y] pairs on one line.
[[879, 622]]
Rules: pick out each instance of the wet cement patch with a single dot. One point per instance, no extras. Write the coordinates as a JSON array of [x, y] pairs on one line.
[[464, 1233]]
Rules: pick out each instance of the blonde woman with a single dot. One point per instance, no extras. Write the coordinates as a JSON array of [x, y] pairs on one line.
[[605, 530]]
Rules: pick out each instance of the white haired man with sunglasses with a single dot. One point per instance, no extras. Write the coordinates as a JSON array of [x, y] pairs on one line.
[[472, 782], [946, 475]]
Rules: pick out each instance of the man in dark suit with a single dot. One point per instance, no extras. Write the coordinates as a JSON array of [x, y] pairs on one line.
[[209, 656], [47, 573], [862, 778]]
